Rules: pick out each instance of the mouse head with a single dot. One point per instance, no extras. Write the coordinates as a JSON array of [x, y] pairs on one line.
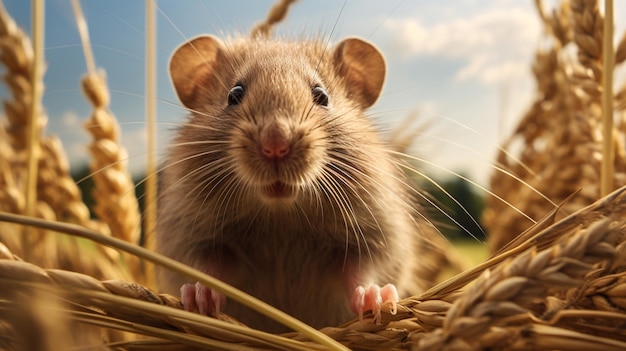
[[286, 109]]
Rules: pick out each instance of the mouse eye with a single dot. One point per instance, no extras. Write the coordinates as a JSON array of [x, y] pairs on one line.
[[320, 96], [235, 95]]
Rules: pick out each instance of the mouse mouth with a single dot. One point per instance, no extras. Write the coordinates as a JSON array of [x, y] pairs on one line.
[[279, 190]]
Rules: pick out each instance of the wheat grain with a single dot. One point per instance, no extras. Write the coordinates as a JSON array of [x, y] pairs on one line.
[[620, 50], [114, 190], [560, 134], [58, 196], [11, 198], [122, 303], [16, 53], [140, 252], [522, 301], [276, 14], [513, 291], [560, 285], [588, 32], [24, 73]]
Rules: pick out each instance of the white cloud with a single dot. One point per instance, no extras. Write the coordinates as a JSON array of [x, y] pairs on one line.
[[76, 141], [494, 46], [70, 119], [77, 153]]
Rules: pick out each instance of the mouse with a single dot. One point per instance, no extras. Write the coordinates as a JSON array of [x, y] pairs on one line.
[[280, 184]]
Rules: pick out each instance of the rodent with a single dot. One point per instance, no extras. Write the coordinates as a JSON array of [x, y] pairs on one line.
[[279, 184]]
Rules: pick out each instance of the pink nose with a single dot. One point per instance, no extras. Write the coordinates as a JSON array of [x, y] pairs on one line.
[[275, 148]]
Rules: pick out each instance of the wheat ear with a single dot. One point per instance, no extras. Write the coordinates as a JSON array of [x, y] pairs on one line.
[[277, 13], [116, 203]]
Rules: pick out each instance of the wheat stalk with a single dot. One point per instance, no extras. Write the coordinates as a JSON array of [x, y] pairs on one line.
[[561, 132], [25, 70], [193, 274], [116, 203], [11, 198], [512, 291], [58, 196], [150, 212], [276, 14], [34, 131], [608, 154], [530, 296], [16, 53], [559, 285]]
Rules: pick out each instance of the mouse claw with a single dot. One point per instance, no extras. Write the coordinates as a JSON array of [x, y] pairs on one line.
[[372, 299], [198, 298]]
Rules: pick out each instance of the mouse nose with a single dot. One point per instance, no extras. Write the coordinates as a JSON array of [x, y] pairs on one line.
[[274, 145]]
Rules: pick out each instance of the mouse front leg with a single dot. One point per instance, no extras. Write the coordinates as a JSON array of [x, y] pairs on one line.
[[196, 297], [372, 298]]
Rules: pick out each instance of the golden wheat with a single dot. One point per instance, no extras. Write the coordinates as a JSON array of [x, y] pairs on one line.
[[116, 203], [561, 284], [530, 297], [561, 134], [58, 197], [52, 176], [276, 14], [588, 29], [620, 51]]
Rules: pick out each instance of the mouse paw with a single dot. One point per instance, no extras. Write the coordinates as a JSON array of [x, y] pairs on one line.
[[198, 298], [371, 298]]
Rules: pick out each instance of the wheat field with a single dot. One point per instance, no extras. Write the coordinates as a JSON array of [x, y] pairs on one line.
[[70, 281]]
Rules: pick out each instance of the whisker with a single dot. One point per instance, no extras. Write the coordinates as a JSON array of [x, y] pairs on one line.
[[438, 208], [403, 182], [393, 10], [467, 180], [497, 146], [338, 159], [354, 222], [411, 207], [96, 46], [162, 101], [230, 180], [330, 35], [186, 39], [331, 194], [162, 192]]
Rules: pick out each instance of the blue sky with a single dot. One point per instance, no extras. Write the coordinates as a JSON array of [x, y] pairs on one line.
[[462, 65]]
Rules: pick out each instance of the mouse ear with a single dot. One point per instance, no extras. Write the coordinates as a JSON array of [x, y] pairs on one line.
[[192, 66], [362, 67]]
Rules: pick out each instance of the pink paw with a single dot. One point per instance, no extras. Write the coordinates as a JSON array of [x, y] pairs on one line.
[[372, 298], [198, 298]]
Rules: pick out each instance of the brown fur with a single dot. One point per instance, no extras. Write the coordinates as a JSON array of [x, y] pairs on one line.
[[346, 218]]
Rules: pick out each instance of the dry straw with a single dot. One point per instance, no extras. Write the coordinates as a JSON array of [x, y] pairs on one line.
[[561, 284], [559, 141], [535, 296], [150, 212], [58, 197], [115, 201]]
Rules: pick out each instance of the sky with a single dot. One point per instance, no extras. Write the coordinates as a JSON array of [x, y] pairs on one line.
[[462, 67]]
